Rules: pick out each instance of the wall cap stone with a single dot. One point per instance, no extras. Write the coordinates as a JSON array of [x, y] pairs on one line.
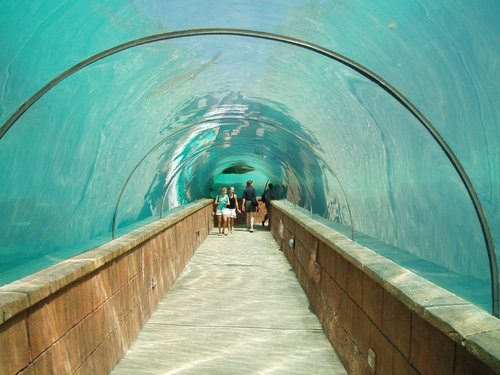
[[464, 323], [26, 292]]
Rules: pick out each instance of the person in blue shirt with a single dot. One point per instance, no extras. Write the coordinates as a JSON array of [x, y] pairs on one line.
[[221, 201], [249, 204]]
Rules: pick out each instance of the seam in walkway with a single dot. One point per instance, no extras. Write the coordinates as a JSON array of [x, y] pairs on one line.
[[237, 308]]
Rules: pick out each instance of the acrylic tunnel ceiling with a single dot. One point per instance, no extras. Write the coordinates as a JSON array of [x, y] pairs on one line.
[[378, 118]]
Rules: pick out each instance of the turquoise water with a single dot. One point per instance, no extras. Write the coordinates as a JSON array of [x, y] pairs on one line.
[[155, 126]]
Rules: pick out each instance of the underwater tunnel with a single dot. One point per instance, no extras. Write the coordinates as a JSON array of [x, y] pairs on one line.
[[377, 119]]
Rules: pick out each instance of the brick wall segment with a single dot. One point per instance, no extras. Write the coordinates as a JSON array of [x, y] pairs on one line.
[[316, 301], [145, 307], [147, 253], [390, 298], [431, 351], [45, 332], [328, 288], [345, 306], [461, 320], [340, 273], [134, 262], [14, 348], [103, 359], [11, 304], [102, 285], [361, 326], [120, 272], [87, 367], [35, 290], [345, 348], [169, 235], [331, 327], [78, 301], [66, 272], [314, 271], [111, 313], [326, 258], [55, 360], [354, 284], [396, 323], [402, 366], [384, 351], [101, 330], [27, 371], [477, 343], [81, 341], [101, 298], [372, 300], [466, 364], [302, 255]]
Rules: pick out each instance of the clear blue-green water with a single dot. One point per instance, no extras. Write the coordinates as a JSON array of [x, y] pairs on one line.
[[158, 125]]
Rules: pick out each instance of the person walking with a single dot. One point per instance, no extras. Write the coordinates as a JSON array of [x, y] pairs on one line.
[[248, 204], [221, 212], [267, 197], [231, 210]]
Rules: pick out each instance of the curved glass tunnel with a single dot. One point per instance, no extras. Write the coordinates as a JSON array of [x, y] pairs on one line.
[[135, 134]]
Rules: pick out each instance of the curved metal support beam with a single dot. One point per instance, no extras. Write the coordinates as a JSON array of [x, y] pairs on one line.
[[300, 139], [224, 118], [490, 246]]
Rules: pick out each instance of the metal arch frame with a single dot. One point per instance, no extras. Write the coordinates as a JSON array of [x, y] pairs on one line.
[[302, 140], [224, 118], [182, 165], [490, 246], [158, 144], [295, 174]]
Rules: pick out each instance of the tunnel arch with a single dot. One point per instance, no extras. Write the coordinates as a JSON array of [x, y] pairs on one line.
[[224, 163], [225, 118], [325, 52]]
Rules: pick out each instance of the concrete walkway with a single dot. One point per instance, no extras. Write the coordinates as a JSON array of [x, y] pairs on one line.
[[237, 308]]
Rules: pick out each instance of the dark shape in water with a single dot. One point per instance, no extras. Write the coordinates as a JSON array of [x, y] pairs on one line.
[[238, 168]]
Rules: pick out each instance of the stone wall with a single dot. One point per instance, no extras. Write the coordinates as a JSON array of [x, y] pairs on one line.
[[81, 315], [380, 317]]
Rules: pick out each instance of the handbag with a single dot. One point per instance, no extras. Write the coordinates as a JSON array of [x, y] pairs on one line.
[[254, 199], [214, 208]]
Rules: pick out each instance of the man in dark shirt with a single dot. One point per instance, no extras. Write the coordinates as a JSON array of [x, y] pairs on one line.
[[249, 197], [267, 197]]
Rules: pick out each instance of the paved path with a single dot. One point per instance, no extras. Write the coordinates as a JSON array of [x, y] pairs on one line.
[[237, 308]]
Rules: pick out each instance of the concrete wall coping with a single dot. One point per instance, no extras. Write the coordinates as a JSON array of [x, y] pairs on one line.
[[24, 293], [463, 322]]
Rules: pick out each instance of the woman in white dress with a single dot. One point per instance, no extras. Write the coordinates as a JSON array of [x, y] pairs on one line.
[[232, 207]]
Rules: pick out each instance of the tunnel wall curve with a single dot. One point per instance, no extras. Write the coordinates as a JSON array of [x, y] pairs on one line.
[[379, 316], [82, 314], [328, 53]]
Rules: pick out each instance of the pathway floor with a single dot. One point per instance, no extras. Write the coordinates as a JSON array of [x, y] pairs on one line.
[[237, 308]]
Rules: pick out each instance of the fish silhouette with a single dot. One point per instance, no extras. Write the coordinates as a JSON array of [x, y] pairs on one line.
[[238, 168], [182, 78]]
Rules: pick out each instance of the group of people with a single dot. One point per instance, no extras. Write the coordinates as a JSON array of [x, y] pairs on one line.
[[227, 207]]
